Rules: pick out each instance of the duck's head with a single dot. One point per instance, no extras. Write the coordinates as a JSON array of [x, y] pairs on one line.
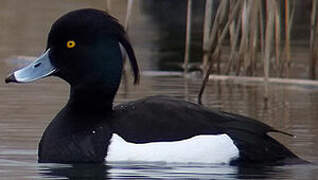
[[83, 47]]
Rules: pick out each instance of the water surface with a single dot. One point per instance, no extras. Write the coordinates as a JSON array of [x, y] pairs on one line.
[[27, 109]]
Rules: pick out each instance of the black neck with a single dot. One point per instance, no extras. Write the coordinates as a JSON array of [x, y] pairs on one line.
[[93, 98]]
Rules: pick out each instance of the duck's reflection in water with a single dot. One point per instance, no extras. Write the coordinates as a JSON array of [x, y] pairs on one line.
[[133, 170], [74, 171]]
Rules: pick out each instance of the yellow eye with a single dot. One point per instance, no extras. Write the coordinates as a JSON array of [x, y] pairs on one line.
[[70, 44]]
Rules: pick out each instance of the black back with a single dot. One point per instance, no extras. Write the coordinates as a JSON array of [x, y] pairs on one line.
[[161, 118]]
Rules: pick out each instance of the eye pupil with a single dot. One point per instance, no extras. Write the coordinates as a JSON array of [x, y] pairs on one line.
[[70, 44]]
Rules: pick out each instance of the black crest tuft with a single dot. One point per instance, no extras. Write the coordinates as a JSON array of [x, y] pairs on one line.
[[93, 21], [124, 41]]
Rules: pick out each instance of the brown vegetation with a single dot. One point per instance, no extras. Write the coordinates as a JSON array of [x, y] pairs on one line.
[[254, 31]]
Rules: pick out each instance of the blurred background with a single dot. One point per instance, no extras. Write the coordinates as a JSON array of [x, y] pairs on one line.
[[158, 31]]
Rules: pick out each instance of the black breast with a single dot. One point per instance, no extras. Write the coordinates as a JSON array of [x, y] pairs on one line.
[[73, 139], [85, 146]]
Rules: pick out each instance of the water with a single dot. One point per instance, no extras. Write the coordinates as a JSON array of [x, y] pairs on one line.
[[25, 110]]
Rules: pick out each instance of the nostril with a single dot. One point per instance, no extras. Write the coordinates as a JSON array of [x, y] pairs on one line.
[[37, 65]]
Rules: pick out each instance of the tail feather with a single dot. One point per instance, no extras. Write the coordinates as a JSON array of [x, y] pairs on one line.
[[254, 144], [283, 132], [260, 149]]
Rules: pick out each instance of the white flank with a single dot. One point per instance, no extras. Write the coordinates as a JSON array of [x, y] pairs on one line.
[[198, 149]]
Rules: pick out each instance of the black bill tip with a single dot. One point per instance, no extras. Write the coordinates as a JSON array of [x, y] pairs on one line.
[[10, 78]]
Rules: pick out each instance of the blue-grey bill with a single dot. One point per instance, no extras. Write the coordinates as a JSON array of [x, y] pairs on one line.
[[40, 68]]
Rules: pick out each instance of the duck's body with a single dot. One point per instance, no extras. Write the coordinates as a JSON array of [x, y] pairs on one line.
[[132, 131], [83, 49]]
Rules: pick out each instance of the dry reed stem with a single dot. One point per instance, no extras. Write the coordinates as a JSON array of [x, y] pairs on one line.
[[108, 5], [211, 47], [243, 50], [313, 41], [268, 43], [261, 28], [277, 36], [251, 68], [288, 23], [213, 36], [188, 37], [206, 30], [206, 78], [289, 16], [234, 13], [232, 27], [287, 35], [234, 34], [215, 28], [223, 32], [128, 14], [215, 49]]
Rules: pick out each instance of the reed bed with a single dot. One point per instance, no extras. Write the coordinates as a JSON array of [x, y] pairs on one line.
[[240, 37], [257, 34], [249, 26]]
